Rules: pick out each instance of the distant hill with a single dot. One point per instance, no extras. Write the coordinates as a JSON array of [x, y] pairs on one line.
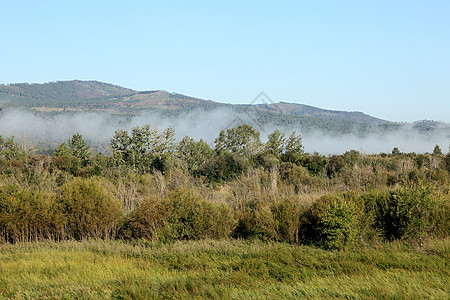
[[311, 111], [71, 96], [79, 95], [61, 92]]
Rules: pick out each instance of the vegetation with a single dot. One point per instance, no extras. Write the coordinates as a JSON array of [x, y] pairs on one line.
[[245, 219], [222, 269], [153, 188]]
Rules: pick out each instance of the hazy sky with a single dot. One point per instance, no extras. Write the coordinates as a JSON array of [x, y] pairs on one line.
[[390, 59]]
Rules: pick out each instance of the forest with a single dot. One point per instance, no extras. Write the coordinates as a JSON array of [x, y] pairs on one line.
[[153, 188]]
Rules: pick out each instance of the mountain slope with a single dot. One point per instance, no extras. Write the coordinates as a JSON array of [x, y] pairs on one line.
[[79, 95], [66, 97], [61, 92]]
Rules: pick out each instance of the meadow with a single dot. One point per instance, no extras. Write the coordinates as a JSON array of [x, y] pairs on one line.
[[233, 269]]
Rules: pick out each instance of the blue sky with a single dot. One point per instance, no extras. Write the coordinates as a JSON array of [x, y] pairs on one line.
[[390, 59]]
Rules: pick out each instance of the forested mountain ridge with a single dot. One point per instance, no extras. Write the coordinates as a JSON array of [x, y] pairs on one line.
[[85, 96], [61, 92], [94, 95]]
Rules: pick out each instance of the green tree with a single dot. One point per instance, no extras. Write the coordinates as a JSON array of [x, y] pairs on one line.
[[396, 151], [243, 140], [447, 160], [63, 151], [79, 149], [120, 146], [146, 148], [9, 149], [437, 150], [276, 143], [193, 153], [294, 144]]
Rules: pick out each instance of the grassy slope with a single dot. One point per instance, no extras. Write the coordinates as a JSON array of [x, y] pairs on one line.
[[222, 269]]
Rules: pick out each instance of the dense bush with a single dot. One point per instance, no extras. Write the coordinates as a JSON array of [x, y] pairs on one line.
[[331, 222], [28, 216], [223, 167], [183, 215], [90, 208], [406, 213], [279, 220]]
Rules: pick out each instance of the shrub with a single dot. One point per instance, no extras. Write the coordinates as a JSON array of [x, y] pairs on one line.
[[331, 222], [406, 213], [143, 222], [287, 213], [314, 163], [27, 216], [440, 216], [224, 167], [183, 215], [90, 207], [334, 166]]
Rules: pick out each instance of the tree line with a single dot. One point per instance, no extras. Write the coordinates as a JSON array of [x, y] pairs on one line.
[[152, 187]]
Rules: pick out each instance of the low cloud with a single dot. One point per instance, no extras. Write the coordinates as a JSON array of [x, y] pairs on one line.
[[98, 128]]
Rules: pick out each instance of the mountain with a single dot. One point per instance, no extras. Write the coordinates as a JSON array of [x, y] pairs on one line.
[[79, 95], [311, 111], [71, 96], [94, 95], [61, 92]]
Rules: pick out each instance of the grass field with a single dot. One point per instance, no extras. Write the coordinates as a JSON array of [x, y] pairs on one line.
[[222, 269]]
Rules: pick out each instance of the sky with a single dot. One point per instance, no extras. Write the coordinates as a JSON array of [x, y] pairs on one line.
[[389, 59]]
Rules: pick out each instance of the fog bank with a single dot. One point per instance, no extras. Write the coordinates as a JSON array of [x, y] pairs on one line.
[[99, 128]]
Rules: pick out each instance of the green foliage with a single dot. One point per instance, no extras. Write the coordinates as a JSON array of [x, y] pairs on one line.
[[276, 143], [266, 160], [242, 140], [223, 167], [145, 150], [294, 149], [294, 145], [406, 213], [28, 216], [335, 165], [447, 161], [396, 151], [90, 208], [73, 155], [437, 150], [63, 151], [10, 150], [120, 144], [314, 163], [331, 222], [193, 153], [183, 215], [351, 157], [193, 192], [79, 149], [279, 220]]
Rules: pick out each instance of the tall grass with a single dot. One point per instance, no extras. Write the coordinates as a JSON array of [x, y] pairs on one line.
[[222, 269]]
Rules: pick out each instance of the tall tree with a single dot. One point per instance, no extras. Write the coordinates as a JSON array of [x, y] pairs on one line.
[[276, 143], [437, 150], [243, 140], [294, 144], [79, 148], [193, 153]]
